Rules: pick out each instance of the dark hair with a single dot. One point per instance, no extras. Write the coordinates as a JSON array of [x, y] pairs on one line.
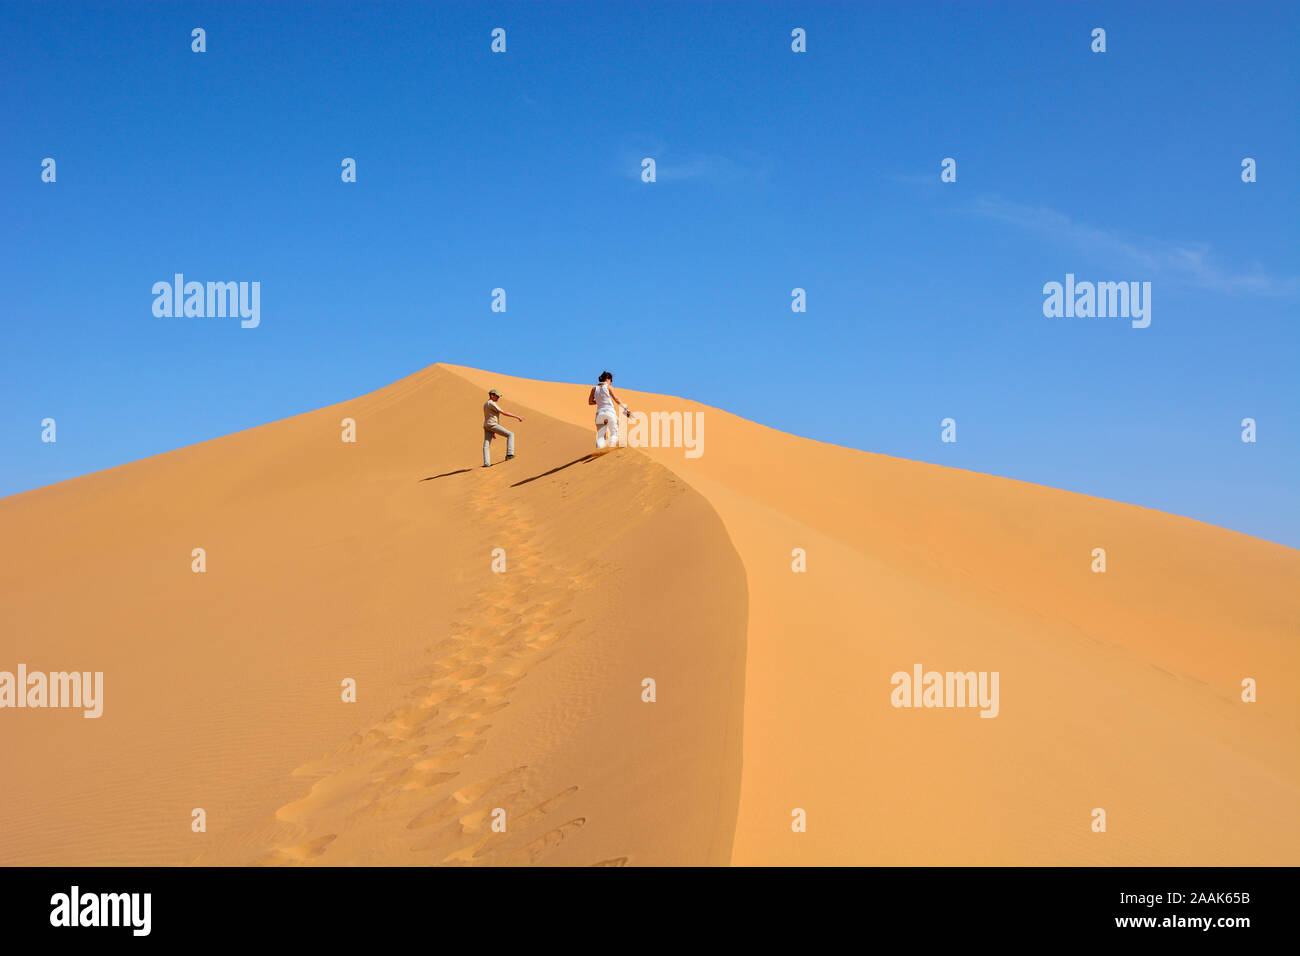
[[605, 375]]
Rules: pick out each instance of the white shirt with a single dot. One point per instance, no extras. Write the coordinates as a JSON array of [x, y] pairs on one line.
[[603, 402]]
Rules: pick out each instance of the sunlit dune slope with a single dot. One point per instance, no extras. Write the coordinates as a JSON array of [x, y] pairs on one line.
[[482, 697], [1119, 691]]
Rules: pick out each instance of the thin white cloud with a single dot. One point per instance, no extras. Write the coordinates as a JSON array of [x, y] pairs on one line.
[[1192, 262], [915, 179], [672, 166]]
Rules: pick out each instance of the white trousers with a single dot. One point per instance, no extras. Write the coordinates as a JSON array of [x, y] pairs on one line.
[[606, 428]]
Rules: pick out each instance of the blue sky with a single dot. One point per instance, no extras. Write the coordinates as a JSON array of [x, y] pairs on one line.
[[776, 170]]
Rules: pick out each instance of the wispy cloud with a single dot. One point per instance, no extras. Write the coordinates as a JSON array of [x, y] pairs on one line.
[[707, 166], [915, 179], [673, 166], [1192, 262]]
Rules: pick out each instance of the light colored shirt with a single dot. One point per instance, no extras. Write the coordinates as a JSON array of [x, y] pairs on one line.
[[603, 401], [490, 413]]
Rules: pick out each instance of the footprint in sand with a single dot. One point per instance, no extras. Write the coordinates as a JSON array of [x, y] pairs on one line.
[[532, 852], [462, 798], [296, 854], [476, 821]]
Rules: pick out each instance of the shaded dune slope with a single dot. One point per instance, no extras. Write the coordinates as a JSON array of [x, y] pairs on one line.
[[1118, 690], [476, 691]]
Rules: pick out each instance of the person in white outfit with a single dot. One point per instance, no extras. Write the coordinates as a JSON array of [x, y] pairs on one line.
[[607, 409]]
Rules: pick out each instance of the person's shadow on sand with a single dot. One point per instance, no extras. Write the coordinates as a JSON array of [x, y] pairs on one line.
[[591, 457]]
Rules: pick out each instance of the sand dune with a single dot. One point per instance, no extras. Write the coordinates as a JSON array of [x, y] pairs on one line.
[[1119, 690], [476, 690], [521, 691]]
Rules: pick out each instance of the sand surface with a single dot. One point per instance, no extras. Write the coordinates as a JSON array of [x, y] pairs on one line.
[[477, 691], [1119, 690], [518, 695]]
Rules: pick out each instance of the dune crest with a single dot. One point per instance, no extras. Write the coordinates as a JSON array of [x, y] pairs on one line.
[[920, 665], [498, 715], [1119, 691]]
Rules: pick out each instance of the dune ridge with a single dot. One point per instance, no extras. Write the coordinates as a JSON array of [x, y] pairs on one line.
[[478, 693], [1119, 691]]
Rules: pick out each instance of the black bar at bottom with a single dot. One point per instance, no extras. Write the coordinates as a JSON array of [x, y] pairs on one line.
[[331, 906]]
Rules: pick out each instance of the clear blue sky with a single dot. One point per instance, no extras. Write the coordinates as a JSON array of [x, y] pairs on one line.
[[776, 170]]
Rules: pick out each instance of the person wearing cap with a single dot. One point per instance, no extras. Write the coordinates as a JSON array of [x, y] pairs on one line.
[[492, 428]]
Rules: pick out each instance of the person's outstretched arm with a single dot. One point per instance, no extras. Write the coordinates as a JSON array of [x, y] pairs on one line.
[[615, 399], [508, 415]]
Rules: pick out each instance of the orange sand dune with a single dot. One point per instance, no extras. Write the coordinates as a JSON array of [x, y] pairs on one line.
[[1118, 690], [476, 690], [519, 694]]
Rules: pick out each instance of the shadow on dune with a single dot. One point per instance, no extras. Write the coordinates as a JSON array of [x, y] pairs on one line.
[[447, 474], [590, 457]]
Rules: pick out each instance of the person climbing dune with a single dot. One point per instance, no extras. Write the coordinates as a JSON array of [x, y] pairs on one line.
[[492, 428], [607, 407]]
